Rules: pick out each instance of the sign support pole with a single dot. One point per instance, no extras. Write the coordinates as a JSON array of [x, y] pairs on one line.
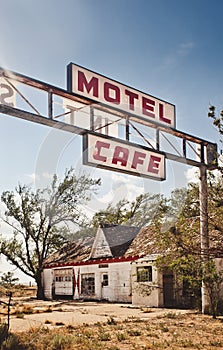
[[204, 236]]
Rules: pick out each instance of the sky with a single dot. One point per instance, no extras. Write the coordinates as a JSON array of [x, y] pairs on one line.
[[169, 49]]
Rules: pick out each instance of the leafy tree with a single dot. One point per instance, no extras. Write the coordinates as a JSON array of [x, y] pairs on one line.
[[213, 279], [144, 210], [218, 124], [8, 279], [114, 215], [40, 219], [182, 242], [217, 120]]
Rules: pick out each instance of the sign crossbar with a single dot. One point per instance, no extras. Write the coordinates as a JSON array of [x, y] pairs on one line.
[[76, 103]]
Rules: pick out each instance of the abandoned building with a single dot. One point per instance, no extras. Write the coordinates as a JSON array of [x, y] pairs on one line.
[[118, 266]]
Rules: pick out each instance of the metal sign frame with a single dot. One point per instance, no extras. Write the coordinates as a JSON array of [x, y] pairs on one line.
[[207, 154]]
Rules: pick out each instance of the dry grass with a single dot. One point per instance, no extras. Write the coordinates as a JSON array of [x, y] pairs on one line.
[[171, 331], [18, 291]]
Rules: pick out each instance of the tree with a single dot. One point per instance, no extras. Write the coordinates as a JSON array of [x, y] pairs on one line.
[[8, 279], [217, 120], [144, 210], [213, 279], [40, 219], [182, 243]]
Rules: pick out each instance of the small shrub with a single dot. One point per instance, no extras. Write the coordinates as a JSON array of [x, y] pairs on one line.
[[60, 342], [59, 323], [48, 322], [70, 327], [48, 309], [121, 336], [216, 343], [171, 315], [3, 332], [134, 332], [27, 310], [111, 321], [164, 329], [104, 336], [12, 343], [146, 310]]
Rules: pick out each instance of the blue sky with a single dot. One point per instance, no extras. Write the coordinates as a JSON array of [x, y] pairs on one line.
[[170, 49]]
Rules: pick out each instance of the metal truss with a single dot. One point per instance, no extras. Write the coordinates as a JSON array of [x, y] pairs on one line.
[[48, 105]]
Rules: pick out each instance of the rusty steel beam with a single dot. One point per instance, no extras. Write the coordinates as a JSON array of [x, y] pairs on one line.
[[51, 122]]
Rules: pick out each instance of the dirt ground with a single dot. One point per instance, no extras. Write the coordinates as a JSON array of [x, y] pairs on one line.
[[72, 325], [28, 314]]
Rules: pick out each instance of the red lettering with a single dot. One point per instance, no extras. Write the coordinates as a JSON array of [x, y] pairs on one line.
[[99, 145], [83, 83], [132, 96], [148, 105], [116, 93], [161, 114], [120, 155], [154, 163], [138, 159]]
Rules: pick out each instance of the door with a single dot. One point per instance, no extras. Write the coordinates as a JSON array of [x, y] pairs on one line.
[[168, 290], [63, 282], [104, 286]]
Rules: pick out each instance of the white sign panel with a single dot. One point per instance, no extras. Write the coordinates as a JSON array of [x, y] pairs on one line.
[[7, 93], [112, 154], [113, 94], [80, 114]]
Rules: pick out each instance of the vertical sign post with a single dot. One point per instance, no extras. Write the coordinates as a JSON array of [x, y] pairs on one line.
[[204, 236]]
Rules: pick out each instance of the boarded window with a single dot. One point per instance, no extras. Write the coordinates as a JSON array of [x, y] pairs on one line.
[[144, 274], [88, 284]]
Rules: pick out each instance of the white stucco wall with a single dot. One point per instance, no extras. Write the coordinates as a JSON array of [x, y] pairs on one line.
[[48, 283], [147, 293], [119, 286], [119, 281]]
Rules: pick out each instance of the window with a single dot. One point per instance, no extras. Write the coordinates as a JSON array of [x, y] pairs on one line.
[[59, 278], [88, 284], [144, 274], [68, 278], [104, 280]]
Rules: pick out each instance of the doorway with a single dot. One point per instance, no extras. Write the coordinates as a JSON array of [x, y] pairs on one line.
[[168, 290]]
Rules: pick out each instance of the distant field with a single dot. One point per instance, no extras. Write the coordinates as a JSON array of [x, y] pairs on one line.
[[18, 291]]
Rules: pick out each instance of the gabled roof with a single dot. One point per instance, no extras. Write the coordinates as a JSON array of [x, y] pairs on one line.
[[119, 238], [123, 241]]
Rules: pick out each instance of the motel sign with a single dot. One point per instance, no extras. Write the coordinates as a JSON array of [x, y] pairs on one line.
[[121, 97]]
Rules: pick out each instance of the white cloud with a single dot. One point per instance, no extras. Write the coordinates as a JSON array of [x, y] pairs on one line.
[[185, 49], [192, 174], [171, 58]]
